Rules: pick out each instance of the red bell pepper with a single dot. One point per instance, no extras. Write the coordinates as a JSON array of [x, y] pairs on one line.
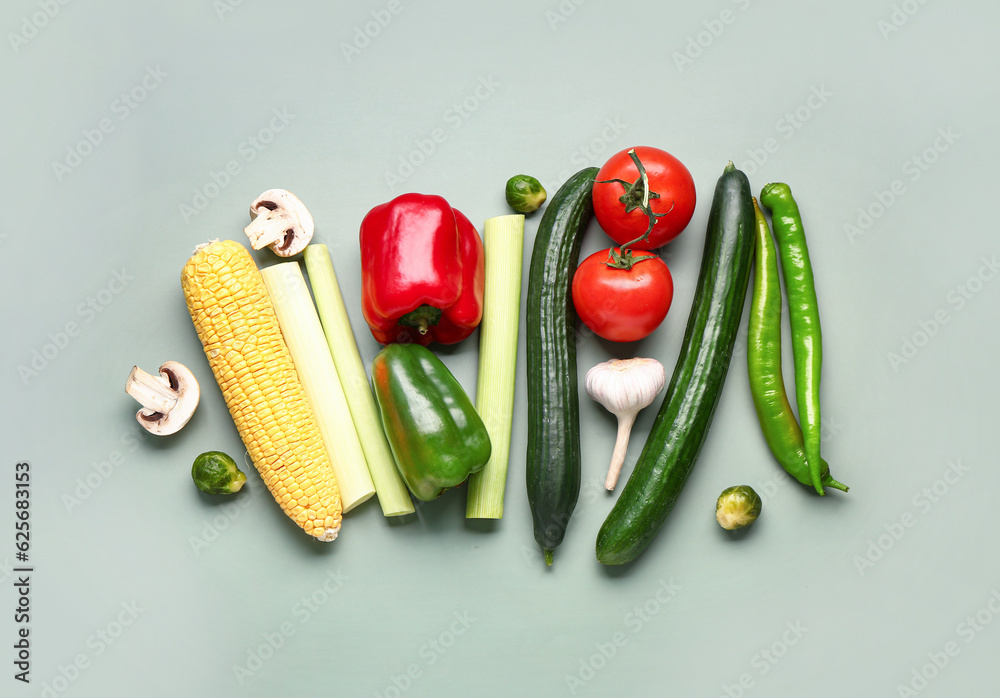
[[422, 271]]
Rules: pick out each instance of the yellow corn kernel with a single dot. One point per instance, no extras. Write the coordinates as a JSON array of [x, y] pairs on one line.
[[235, 321]]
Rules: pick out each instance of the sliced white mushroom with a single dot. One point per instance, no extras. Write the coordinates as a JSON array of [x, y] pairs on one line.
[[279, 221], [168, 400]]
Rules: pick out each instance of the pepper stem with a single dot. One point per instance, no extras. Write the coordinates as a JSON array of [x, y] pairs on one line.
[[548, 556], [828, 481], [422, 318]]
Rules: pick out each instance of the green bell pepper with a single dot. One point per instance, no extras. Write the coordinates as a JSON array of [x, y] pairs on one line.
[[436, 436]]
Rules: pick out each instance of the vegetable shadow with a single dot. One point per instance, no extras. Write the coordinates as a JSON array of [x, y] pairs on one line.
[[482, 525], [151, 442], [740, 534]]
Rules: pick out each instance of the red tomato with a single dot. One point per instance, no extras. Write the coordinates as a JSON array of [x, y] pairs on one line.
[[668, 178], [622, 305]]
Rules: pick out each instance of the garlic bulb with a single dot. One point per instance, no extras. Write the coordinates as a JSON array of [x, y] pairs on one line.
[[624, 386]]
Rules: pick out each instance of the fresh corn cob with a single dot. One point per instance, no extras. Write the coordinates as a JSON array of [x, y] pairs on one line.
[[238, 328]]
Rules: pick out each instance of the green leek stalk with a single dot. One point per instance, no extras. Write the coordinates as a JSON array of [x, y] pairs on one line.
[[503, 238], [392, 493], [301, 329]]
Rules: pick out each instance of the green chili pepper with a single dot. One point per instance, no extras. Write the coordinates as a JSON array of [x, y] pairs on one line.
[[436, 436], [803, 311], [777, 421]]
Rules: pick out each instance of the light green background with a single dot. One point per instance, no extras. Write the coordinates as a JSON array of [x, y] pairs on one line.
[[548, 88]]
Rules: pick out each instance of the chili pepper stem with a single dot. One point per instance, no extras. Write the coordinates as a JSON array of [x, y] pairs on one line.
[[548, 556], [830, 482], [621, 447]]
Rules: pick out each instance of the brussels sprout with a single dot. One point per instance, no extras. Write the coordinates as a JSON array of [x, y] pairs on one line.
[[216, 473], [524, 194], [737, 507]]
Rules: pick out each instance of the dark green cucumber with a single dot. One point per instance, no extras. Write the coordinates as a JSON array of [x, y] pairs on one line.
[[685, 416], [553, 462]]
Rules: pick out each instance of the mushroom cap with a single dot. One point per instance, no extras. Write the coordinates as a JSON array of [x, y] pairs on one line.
[[289, 216], [180, 380]]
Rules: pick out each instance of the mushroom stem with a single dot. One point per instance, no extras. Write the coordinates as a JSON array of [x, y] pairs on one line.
[[152, 392], [625, 422], [268, 228]]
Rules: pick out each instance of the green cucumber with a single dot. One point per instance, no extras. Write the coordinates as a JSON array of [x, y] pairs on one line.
[[552, 468], [685, 416]]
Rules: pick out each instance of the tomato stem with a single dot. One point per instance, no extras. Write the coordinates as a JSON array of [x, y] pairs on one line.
[[621, 258], [637, 195], [643, 176]]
